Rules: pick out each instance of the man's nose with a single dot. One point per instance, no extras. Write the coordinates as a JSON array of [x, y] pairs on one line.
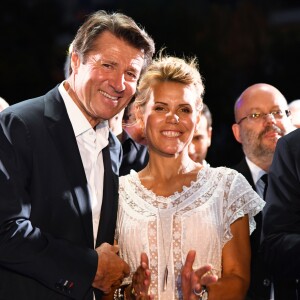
[[117, 82], [269, 118]]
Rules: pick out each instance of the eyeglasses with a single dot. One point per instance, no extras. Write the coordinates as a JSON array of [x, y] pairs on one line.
[[257, 117]]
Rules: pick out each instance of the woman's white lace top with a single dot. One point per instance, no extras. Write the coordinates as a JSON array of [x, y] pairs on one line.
[[197, 218]]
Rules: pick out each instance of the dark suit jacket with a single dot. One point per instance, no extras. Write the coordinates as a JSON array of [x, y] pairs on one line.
[[46, 236], [135, 156], [281, 226], [260, 283]]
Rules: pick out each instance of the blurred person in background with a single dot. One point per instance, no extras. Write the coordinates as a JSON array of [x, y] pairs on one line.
[[134, 155], [262, 117], [202, 137], [3, 104], [132, 126], [294, 107]]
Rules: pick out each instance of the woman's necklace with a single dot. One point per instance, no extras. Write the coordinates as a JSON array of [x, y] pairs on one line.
[[167, 258]]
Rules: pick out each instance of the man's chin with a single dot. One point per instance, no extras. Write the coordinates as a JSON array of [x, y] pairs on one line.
[[269, 147]]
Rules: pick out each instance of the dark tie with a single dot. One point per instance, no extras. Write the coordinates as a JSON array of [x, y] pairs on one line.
[[264, 178]]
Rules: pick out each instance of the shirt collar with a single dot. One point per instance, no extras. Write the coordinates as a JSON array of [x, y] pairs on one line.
[[79, 122], [256, 171], [205, 163]]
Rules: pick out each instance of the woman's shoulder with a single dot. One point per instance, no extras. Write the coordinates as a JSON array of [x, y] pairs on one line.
[[227, 176], [222, 171], [131, 177]]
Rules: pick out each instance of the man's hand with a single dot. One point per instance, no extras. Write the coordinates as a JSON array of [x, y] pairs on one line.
[[111, 268]]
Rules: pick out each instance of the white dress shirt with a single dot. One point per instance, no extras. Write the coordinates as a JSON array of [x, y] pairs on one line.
[[90, 143], [256, 173]]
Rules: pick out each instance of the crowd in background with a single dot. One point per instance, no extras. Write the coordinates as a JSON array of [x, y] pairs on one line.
[[238, 43]]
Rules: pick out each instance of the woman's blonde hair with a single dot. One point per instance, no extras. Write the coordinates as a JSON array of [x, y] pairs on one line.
[[169, 68]]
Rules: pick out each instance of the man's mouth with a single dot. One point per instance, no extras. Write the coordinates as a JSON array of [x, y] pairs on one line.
[[171, 133], [108, 96], [271, 132]]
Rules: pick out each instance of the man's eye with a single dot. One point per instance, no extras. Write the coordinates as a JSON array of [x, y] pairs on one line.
[[108, 66], [255, 115], [132, 75], [197, 138], [276, 113]]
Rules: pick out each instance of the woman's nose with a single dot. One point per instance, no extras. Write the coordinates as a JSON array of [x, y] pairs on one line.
[[173, 118]]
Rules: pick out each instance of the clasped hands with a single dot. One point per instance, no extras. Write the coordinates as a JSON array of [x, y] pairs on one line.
[[111, 268]]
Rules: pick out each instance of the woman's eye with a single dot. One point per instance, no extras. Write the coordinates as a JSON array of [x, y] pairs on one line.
[[158, 108], [185, 110]]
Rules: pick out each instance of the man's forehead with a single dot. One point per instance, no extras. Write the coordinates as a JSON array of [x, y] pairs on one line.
[[262, 100], [201, 125]]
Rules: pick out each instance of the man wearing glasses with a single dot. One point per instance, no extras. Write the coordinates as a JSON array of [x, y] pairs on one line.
[[262, 117]]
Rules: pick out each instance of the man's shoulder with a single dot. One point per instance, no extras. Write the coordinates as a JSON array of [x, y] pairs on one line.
[[288, 146], [241, 166], [30, 105], [292, 137], [128, 140]]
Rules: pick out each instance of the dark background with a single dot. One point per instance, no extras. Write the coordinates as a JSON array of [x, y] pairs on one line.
[[237, 42]]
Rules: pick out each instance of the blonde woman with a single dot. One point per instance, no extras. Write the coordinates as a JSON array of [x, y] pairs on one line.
[[175, 208]]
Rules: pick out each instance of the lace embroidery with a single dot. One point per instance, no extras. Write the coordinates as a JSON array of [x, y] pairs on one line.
[[212, 202]]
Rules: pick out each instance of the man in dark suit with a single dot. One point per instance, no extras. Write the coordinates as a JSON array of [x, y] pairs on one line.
[[281, 218], [59, 170], [135, 155], [261, 117]]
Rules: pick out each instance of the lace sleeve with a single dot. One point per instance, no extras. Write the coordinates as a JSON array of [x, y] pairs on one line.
[[240, 199], [121, 194]]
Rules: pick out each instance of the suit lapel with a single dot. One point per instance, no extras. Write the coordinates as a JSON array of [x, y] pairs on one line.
[[244, 169], [61, 130], [63, 136], [109, 207]]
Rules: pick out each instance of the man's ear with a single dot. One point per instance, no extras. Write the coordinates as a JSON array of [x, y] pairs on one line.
[[75, 62], [236, 132], [209, 133]]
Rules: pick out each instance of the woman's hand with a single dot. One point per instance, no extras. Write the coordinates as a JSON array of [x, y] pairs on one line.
[[192, 281], [141, 280]]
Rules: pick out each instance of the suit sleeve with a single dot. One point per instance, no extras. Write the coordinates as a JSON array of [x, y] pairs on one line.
[[281, 215], [24, 247]]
